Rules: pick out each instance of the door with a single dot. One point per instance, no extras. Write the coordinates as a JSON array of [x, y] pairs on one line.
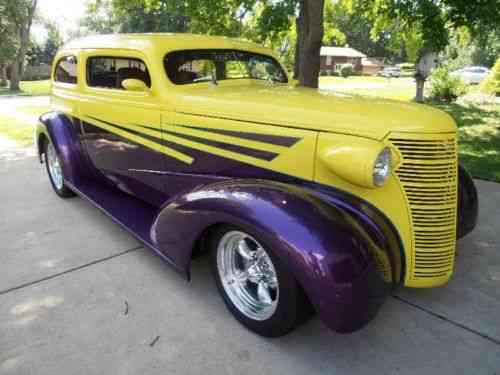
[[121, 129]]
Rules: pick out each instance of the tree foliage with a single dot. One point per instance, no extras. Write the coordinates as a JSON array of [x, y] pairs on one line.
[[491, 84], [19, 14]]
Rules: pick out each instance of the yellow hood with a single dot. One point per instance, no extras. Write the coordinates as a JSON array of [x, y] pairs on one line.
[[312, 109]]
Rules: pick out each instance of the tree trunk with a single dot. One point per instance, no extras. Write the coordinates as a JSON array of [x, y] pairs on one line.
[[300, 37], [419, 96], [14, 77], [23, 30], [3, 75], [311, 27]]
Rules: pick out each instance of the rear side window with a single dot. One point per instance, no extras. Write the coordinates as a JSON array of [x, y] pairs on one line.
[[66, 70], [110, 72]]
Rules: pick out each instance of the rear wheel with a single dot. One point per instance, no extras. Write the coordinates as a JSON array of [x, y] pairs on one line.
[[256, 287], [54, 170]]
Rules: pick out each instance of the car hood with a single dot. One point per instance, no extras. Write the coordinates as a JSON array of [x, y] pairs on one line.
[[313, 109]]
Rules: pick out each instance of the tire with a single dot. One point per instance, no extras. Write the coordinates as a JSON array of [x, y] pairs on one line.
[[54, 171], [239, 260]]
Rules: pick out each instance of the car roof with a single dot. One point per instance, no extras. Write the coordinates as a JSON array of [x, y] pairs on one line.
[[163, 43]]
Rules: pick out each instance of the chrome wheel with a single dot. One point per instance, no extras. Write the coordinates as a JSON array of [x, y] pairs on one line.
[[54, 165], [247, 275]]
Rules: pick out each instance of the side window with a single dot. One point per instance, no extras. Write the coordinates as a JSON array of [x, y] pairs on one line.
[[110, 72], [66, 70]]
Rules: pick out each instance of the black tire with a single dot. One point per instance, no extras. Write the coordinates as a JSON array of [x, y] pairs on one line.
[[63, 191], [292, 306]]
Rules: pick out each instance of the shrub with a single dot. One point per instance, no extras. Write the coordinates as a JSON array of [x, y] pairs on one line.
[[346, 70], [491, 85], [444, 86]]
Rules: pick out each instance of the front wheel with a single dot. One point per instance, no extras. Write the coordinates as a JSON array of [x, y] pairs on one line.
[[256, 287], [54, 170]]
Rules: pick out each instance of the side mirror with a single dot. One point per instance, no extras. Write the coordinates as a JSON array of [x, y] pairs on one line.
[[133, 84]]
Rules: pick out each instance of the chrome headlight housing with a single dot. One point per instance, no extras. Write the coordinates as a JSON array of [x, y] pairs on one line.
[[382, 167]]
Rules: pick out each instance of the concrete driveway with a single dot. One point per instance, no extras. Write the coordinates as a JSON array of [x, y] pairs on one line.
[[78, 295]]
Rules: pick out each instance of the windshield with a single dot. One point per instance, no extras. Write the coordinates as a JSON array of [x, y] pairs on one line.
[[194, 66]]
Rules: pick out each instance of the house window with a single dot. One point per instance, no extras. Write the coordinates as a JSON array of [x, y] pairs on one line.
[[328, 60]]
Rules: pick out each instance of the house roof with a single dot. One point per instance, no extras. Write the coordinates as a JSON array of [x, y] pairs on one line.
[[341, 51]]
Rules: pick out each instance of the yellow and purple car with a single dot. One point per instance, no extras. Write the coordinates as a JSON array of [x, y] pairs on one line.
[[307, 200]]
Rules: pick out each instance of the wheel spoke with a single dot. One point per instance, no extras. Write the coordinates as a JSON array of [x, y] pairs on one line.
[[263, 293], [260, 253], [272, 282], [245, 251], [241, 276]]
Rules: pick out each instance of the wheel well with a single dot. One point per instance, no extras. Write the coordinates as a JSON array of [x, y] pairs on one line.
[[42, 139], [201, 244], [201, 248]]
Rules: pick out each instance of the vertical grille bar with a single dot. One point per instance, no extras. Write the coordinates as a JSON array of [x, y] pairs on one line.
[[428, 174]]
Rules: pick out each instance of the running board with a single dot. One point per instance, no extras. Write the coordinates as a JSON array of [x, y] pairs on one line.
[[132, 214]]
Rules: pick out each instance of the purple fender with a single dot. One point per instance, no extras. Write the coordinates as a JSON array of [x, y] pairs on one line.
[[325, 245], [63, 133]]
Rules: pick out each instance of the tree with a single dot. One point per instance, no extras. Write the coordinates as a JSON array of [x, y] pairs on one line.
[[8, 43], [491, 85], [52, 43], [20, 13], [351, 21], [310, 36], [425, 24], [271, 18]]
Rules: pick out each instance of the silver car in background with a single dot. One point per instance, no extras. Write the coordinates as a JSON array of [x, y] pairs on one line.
[[472, 74], [390, 71]]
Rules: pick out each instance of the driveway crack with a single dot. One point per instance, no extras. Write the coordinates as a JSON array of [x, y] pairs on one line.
[[452, 322], [50, 277]]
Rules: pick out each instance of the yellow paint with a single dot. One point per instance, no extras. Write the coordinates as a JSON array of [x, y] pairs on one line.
[[340, 135]]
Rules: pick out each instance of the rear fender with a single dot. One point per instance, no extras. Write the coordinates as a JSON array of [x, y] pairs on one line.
[[63, 134]]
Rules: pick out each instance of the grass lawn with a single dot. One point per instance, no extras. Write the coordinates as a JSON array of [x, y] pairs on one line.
[[16, 130], [29, 88], [394, 88], [479, 138], [20, 129]]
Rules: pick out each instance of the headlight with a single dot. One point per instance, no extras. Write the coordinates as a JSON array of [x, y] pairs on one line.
[[360, 161], [382, 167]]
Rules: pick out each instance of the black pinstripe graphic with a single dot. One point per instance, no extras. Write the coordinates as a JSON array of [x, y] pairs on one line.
[[258, 154], [277, 140]]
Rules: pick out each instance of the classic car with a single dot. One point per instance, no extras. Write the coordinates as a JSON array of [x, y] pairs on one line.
[[305, 200]]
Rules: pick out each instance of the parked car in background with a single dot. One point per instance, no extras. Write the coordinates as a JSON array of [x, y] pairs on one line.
[[304, 199], [390, 71], [472, 74]]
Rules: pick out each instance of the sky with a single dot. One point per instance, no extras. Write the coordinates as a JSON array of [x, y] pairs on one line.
[[64, 12]]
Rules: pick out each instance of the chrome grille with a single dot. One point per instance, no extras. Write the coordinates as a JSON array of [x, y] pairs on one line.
[[428, 173]]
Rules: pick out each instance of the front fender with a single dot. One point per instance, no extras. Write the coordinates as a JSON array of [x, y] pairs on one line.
[[63, 134], [323, 245]]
